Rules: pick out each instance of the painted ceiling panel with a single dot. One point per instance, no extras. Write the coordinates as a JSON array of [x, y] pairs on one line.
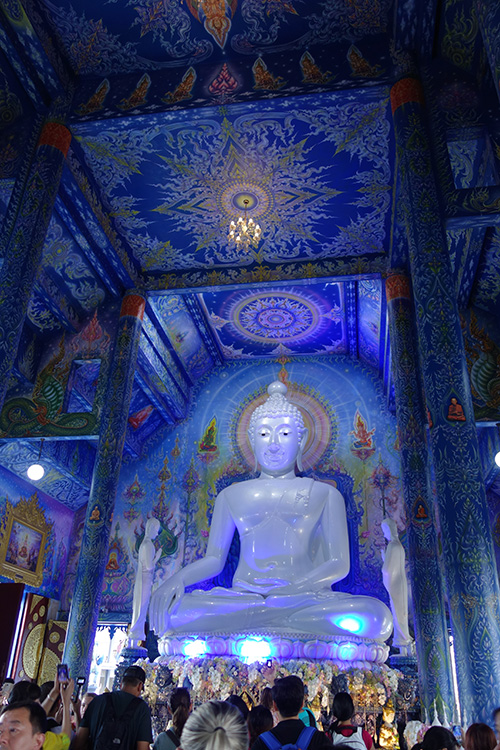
[[161, 378], [471, 161], [369, 307], [66, 288], [164, 354], [104, 37], [486, 292], [182, 333], [157, 54], [278, 321], [317, 175], [69, 268], [16, 457]]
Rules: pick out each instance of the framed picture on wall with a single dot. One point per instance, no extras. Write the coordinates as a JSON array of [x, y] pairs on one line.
[[24, 532]]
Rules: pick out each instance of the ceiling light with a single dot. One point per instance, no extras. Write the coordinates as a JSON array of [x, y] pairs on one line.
[[36, 471], [244, 232]]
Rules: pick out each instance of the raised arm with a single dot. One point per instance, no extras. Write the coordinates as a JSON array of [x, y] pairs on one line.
[[167, 598]]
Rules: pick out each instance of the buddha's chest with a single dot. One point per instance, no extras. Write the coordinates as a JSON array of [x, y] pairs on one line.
[[292, 503]]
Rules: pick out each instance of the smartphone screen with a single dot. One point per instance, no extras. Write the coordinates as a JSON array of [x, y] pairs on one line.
[[62, 673], [79, 684]]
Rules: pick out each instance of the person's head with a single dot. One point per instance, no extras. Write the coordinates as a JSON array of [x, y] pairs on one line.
[[260, 719], [133, 679], [266, 698], [480, 737], [343, 707], [86, 700], [237, 700], [496, 719], [22, 726], [288, 694], [180, 705], [24, 691], [215, 725], [276, 432], [439, 738]]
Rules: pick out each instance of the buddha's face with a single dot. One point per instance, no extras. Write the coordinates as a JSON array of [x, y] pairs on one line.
[[276, 444]]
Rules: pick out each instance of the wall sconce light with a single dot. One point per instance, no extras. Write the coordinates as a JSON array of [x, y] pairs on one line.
[[36, 471]]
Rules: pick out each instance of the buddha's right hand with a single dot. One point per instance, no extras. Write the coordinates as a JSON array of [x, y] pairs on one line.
[[165, 603]]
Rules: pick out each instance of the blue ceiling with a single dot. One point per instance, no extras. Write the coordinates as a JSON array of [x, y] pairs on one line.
[[181, 110]]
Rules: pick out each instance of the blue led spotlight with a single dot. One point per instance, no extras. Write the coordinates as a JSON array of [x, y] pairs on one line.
[[351, 623], [194, 648], [255, 649]]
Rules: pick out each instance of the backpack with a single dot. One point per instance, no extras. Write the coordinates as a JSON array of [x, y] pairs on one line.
[[307, 716], [302, 742], [355, 741], [114, 730]]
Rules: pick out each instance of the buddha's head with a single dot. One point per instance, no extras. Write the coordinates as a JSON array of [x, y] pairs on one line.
[[277, 433]]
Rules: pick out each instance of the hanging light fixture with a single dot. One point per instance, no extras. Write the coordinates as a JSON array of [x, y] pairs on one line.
[[244, 232], [36, 471]]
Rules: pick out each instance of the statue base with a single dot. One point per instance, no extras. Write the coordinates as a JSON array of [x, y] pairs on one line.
[[344, 650]]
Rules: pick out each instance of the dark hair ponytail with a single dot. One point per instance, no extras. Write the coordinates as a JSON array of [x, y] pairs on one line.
[[180, 703]]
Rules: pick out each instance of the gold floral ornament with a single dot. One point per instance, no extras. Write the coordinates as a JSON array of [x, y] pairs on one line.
[[23, 536], [216, 677]]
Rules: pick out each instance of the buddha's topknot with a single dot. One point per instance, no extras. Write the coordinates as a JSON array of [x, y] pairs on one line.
[[277, 405]]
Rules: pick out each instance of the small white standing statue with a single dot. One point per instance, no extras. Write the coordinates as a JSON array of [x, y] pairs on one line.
[[395, 581], [147, 559]]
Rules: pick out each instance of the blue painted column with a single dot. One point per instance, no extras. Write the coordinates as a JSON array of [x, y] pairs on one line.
[[24, 243], [84, 610], [429, 618], [469, 560]]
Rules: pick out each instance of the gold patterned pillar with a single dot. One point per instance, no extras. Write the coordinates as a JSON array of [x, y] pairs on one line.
[[30, 644], [53, 647]]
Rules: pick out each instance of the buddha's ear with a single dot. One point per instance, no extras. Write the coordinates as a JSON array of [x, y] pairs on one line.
[[302, 445], [251, 436]]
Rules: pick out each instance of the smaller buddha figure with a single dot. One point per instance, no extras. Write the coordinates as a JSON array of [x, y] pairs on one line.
[[388, 735], [147, 559], [396, 584], [455, 411]]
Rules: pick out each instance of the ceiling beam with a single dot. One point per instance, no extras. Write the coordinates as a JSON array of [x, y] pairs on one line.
[[478, 206]]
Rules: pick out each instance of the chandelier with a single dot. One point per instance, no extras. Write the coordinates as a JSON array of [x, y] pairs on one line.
[[244, 232]]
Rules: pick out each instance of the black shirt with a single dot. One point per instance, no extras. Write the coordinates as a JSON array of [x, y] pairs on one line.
[[288, 731]]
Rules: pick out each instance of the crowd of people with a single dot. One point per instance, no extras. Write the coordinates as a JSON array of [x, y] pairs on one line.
[[52, 717]]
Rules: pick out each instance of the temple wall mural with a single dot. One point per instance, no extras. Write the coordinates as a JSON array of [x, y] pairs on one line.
[[482, 346], [35, 533], [352, 443]]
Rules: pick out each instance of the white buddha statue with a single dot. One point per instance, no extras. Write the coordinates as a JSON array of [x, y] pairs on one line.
[[293, 546]]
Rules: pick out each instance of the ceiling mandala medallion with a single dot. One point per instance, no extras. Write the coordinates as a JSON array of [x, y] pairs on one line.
[[278, 316], [237, 196]]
